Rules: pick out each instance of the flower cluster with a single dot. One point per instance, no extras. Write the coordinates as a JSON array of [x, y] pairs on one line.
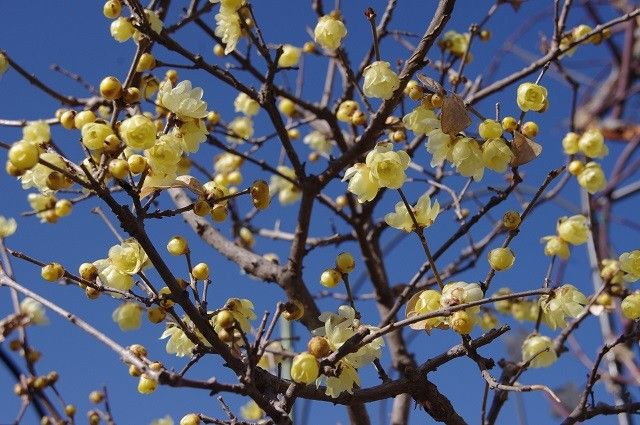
[[383, 167], [591, 145], [455, 43], [630, 264], [8, 227], [572, 230], [228, 26], [424, 213], [562, 302]]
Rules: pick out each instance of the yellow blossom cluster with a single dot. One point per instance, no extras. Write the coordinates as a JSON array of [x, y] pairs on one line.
[[591, 145], [572, 230]]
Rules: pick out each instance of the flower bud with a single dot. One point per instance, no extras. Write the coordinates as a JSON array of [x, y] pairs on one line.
[[110, 88], [156, 314], [190, 419], [329, 32], [509, 123], [531, 96], [538, 349], [319, 347], [96, 397], [490, 129], [52, 272], [511, 220], [574, 229], [260, 194], [345, 263], [501, 259], [330, 278], [461, 322], [147, 385], [293, 310], [530, 129], [305, 368], [200, 271], [570, 143], [23, 155], [177, 245]]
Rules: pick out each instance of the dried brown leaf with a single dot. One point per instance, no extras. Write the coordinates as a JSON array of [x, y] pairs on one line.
[[455, 117], [524, 149], [431, 84]]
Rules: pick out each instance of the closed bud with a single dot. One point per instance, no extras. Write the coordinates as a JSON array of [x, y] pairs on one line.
[[345, 263], [501, 259], [63, 207], [138, 350], [461, 322], [146, 62], [147, 385], [119, 168], [67, 119], [305, 368], [91, 292], [509, 123], [260, 194], [190, 419], [70, 410], [575, 167], [177, 245], [219, 213], [225, 319], [330, 278], [200, 271], [156, 314], [82, 118], [52, 272], [96, 397], [318, 347], [530, 129], [110, 88], [293, 310], [511, 220], [201, 208]]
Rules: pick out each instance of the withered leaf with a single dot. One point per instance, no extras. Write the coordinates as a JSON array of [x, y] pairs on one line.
[[185, 181], [11, 323], [514, 3], [524, 149], [431, 84], [455, 117]]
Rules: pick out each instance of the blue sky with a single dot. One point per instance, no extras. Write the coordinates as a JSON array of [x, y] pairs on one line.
[[77, 38]]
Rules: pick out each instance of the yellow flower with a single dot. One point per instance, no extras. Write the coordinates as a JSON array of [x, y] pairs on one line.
[[422, 303], [8, 227], [592, 177], [178, 343], [630, 306], [539, 350], [388, 167], [488, 321], [574, 229], [230, 4], [37, 176], [570, 143], [251, 411], [455, 42], [290, 56], [36, 132], [503, 306], [127, 316], [112, 277], [128, 257], [380, 81], [440, 146], [304, 368], [138, 132], [4, 64], [154, 23], [183, 100], [318, 142], [501, 259], [288, 192], [163, 421], [531, 96], [41, 202], [121, 29], [490, 129], [228, 28], [564, 301], [630, 264], [425, 214], [592, 144], [555, 245], [241, 129], [35, 311], [242, 312], [612, 272], [421, 121], [525, 310], [227, 162], [147, 385], [361, 182], [164, 156], [248, 106], [346, 380], [338, 328], [467, 158], [496, 155], [329, 32], [456, 293], [346, 110], [190, 135], [94, 134]]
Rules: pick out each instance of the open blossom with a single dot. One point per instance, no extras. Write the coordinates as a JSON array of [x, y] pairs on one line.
[[347, 380], [245, 104], [35, 311], [574, 229], [41, 202], [555, 245], [183, 100], [592, 178], [425, 302], [128, 316], [630, 306], [8, 227], [425, 214], [531, 96], [37, 176], [388, 166], [110, 276], [290, 56], [467, 158], [164, 156], [361, 182], [138, 132], [591, 143], [539, 350], [440, 146], [456, 293], [121, 29], [318, 142], [128, 257], [304, 368], [564, 301], [496, 155], [227, 162], [380, 80], [228, 28], [240, 129], [455, 42], [329, 32], [242, 312], [178, 343], [155, 24], [421, 121], [288, 192], [251, 411], [630, 265], [190, 135], [36, 132], [570, 143], [94, 134], [338, 328]]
